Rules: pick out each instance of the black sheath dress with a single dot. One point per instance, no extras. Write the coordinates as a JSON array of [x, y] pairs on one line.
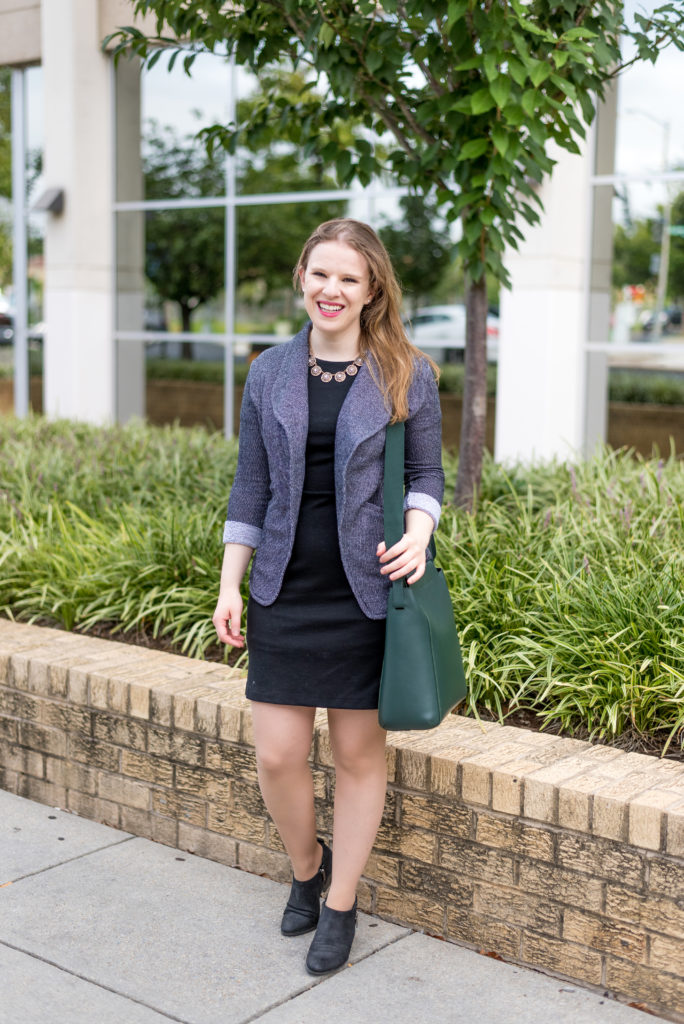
[[314, 646]]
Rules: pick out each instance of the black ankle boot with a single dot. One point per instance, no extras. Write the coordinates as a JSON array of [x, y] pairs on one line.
[[304, 905], [332, 942]]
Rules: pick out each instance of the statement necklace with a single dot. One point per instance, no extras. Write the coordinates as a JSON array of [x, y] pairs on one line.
[[326, 376]]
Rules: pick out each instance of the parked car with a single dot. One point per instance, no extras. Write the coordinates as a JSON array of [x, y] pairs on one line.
[[440, 331], [670, 320]]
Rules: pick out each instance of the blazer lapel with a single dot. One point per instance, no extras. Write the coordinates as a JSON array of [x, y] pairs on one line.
[[363, 413], [291, 408]]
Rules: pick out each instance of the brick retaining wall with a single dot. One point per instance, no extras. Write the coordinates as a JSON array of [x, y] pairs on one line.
[[550, 852]]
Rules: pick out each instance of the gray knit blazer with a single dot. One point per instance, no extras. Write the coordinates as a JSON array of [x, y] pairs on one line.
[[265, 497]]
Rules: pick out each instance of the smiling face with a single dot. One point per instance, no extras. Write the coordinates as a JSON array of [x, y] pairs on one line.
[[336, 286]]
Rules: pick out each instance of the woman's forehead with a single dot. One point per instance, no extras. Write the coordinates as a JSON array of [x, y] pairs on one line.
[[338, 256]]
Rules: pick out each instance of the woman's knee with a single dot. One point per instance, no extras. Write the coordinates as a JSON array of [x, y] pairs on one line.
[[282, 737]]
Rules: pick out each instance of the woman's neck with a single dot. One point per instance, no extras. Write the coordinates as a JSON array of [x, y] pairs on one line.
[[336, 348]]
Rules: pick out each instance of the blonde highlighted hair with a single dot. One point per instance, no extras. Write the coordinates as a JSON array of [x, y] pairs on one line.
[[389, 354]]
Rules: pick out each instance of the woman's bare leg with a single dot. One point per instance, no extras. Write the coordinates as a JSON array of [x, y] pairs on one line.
[[358, 745], [282, 737]]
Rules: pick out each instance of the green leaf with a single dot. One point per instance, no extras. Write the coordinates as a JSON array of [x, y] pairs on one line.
[[500, 137], [491, 70], [455, 11], [481, 101], [539, 72], [374, 61], [501, 90], [326, 35], [473, 149], [529, 102], [517, 71]]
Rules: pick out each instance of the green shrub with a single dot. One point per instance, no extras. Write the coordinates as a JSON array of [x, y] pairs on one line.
[[566, 581]]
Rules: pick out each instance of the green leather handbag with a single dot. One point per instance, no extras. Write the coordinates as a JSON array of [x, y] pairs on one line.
[[422, 672]]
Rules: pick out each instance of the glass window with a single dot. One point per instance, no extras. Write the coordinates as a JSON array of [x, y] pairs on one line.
[[650, 122], [158, 115], [269, 241], [171, 270]]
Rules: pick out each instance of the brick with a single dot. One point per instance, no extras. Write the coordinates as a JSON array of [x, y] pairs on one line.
[[507, 785], [244, 796], [476, 772], [518, 908], [55, 770], [444, 776], [94, 752], [150, 826], [320, 783], [660, 992], [650, 911], [185, 706], [21, 759], [139, 698], [575, 800], [237, 823], [410, 909], [419, 845], [17, 704], [447, 819], [123, 791], [487, 935], [440, 884], [80, 777], [200, 781], [600, 858], [646, 819], [322, 749], [562, 957], [177, 746], [104, 811], [9, 729], [383, 869], [179, 805], [567, 887], [38, 737], [610, 807], [604, 934], [473, 861], [64, 717], [161, 700], [42, 791], [147, 767], [9, 779], [674, 830], [207, 713], [666, 877], [413, 769], [267, 863], [541, 788], [232, 760], [525, 840], [203, 843]]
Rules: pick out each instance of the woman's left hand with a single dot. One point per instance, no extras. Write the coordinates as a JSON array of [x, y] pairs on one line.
[[404, 557]]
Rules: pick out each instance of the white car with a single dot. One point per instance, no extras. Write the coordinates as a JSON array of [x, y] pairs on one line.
[[440, 331]]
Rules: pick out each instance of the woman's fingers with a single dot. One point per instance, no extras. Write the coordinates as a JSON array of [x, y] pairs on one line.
[[227, 621], [404, 557]]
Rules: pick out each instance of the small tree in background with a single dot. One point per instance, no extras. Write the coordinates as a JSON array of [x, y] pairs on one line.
[[420, 251], [469, 93]]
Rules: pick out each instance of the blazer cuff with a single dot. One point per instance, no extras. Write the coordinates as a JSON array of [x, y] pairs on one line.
[[426, 503], [241, 533]]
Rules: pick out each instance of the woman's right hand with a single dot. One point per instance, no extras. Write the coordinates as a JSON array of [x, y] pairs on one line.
[[228, 616]]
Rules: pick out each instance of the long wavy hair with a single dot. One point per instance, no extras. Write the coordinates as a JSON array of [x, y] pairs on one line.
[[389, 355]]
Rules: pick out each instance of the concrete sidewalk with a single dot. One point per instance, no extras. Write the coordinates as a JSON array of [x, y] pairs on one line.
[[96, 924]]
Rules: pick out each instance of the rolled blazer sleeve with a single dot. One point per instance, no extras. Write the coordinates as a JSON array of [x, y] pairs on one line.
[[251, 491], [423, 473]]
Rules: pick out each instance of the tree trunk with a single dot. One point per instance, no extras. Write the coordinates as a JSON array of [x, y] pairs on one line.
[[474, 416], [186, 346]]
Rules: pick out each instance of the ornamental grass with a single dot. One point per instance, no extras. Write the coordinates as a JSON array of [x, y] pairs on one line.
[[566, 579]]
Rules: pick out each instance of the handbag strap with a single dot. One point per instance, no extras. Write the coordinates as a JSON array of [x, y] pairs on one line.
[[393, 493]]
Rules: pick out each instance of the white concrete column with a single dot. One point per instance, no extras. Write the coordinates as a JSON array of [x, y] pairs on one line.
[[541, 390], [79, 361]]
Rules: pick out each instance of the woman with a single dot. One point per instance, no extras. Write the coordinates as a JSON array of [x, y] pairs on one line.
[[308, 497]]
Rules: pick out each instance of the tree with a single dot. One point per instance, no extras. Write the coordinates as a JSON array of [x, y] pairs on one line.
[[469, 93], [420, 251]]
